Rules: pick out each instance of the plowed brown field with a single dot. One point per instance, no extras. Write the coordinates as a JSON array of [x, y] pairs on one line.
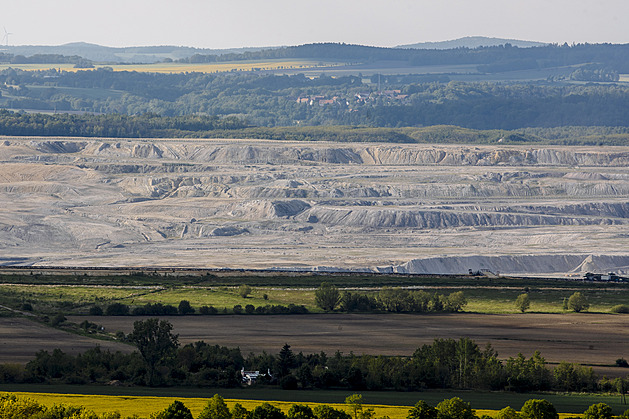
[[596, 339]]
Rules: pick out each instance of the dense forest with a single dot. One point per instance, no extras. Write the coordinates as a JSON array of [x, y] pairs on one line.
[[269, 100], [491, 59]]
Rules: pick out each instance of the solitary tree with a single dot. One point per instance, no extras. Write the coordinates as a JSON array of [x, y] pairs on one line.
[[244, 290], [155, 342], [578, 303], [327, 296], [523, 302]]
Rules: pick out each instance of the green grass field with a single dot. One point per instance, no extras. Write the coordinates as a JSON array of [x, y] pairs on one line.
[[493, 298]]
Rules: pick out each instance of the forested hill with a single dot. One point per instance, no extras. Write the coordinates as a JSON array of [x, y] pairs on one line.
[[613, 55], [267, 100]]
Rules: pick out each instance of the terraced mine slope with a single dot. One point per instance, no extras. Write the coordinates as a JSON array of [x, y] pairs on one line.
[[264, 204]]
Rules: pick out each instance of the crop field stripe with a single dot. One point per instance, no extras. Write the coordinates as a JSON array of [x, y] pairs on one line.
[[135, 401], [145, 405]]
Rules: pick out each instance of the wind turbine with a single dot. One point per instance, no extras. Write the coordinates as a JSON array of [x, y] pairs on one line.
[[5, 38]]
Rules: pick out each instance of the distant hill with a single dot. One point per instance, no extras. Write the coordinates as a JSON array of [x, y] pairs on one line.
[[102, 54], [472, 42]]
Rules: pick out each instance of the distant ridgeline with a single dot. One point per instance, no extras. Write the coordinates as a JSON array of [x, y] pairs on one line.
[[502, 56]]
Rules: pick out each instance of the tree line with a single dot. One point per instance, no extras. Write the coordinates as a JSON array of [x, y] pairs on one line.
[[446, 363], [12, 406], [505, 57]]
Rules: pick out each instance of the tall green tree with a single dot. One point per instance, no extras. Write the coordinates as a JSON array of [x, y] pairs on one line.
[[155, 342], [523, 302], [538, 409], [216, 408], [455, 408], [286, 360], [327, 296], [578, 303]]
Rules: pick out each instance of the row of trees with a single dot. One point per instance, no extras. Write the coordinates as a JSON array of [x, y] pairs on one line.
[[446, 363], [184, 308], [15, 407], [394, 300]]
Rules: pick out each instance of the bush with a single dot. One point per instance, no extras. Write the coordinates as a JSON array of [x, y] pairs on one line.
[[300, 411], [523, 302], [508, 413], [117, 309], [237, 309], [27, 307], [176, 410], [215, 409], [267, 411], [57, 320], [422, 410], [622, 363], [96, 311], [185, 308], [207, 310], [620, 308], [155, 309], [244, 290], [598, 411], [288, 383], [578, 303], [538, 409], [455, 408]]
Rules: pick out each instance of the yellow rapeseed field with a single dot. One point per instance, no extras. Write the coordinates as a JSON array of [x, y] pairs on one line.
[[143, 406], [188, 68]]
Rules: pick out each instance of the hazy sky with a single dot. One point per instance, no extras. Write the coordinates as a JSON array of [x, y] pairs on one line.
[[240, 23]]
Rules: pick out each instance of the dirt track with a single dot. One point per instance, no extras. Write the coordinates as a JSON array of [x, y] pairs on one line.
[[584, 338]]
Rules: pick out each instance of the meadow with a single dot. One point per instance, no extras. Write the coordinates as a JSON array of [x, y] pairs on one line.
[[486, 296]]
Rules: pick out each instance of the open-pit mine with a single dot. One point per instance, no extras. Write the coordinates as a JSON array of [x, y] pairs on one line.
[[408, 208]]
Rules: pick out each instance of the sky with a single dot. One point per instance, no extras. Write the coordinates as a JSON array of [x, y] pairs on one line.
[[257, 23]]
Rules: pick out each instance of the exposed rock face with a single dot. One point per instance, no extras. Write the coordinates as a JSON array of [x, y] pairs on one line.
[[314, 206]]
